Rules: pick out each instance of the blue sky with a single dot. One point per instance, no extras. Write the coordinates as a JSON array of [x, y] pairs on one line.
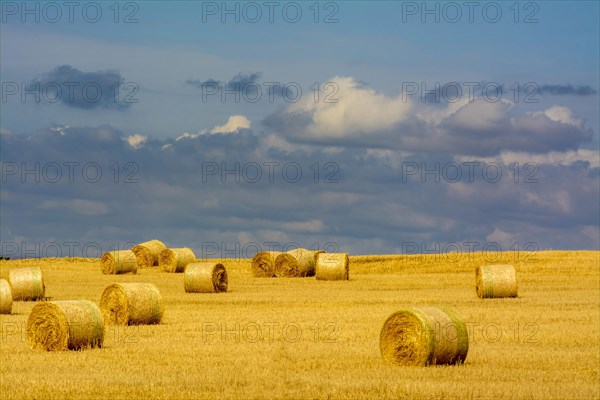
[[371, 64]]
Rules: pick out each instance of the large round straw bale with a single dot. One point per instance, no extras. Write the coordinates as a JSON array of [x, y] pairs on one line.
[[496, 281], [6, 299], [65, 325], [263, 264], [147, 253], [175, 260], [302, 263], [424, 336], [27, 283], [132, 304], [332, 266], [119, 262], [205, 277], [285, 265]]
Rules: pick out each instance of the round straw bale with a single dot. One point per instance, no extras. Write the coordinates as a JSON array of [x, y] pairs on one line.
[[286, 265], [263, 264], [27, 283], [65, 325], [302, 263], [496, 281], [175, 260], [424, 336], [332, 266], [131, 304], [6, 299], [147, 253], [205, 277], [119, 262]]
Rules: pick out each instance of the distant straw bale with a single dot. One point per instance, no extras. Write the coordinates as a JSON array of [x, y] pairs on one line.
[[119, 262], [205, 277], [175, 260], [301, 263], [147, 253], [132, 304], [493, 281], [332, 266]]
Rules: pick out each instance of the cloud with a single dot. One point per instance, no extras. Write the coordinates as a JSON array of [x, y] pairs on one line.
[[136, 141], [363, 117], [75, 88], [560, 114], [224, 204], [234, 124]]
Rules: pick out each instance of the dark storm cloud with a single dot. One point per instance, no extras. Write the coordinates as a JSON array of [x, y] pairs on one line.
[[86, 90]]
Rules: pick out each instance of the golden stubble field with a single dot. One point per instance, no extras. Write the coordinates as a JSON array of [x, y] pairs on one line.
[[302, 338]]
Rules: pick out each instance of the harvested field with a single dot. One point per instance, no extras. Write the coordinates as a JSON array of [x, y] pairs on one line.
[[304, 338]]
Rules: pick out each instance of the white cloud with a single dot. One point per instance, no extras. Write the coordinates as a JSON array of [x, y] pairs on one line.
[[359, 109], [561, 114], [234, 123], [60, 129], [363, 117], [136, 141], [480, 114]]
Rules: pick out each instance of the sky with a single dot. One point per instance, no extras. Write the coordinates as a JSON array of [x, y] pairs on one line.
[[363, 127]]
